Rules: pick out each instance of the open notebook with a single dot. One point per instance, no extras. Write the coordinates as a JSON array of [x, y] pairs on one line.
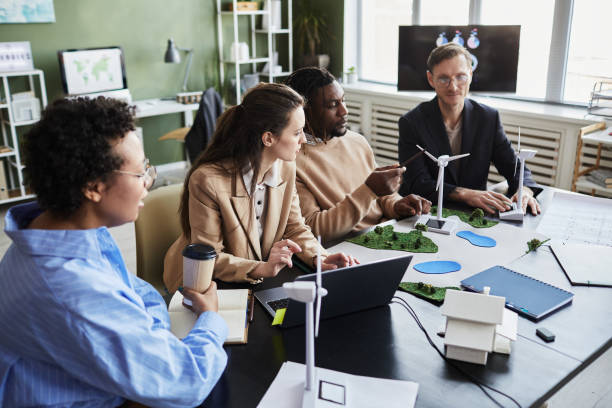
[[233, 305]]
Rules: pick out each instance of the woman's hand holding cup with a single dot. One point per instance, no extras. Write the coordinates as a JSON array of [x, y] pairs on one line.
[[198, 266], [201, 302]]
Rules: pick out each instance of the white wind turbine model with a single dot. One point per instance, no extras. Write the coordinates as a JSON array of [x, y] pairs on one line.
[[516, 213], [320, 389], [439, 224]]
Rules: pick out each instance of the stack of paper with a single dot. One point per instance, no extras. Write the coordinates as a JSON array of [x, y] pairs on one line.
[[287, 389]]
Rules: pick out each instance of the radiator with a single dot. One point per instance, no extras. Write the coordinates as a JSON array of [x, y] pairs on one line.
[[377, 121]]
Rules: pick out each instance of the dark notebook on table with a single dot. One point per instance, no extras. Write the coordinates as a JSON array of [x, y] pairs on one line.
[[525, 295]]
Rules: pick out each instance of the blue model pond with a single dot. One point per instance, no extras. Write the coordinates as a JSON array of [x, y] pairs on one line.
[[477, 240], [437, 267]]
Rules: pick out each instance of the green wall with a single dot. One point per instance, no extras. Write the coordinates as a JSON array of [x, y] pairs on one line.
[[141, 28], [334, 12]]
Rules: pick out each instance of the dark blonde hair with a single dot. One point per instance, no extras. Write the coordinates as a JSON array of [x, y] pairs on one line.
[[447, 51], [237, 138]]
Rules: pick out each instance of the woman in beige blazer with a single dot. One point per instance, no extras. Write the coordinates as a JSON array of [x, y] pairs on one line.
[[240, 196]]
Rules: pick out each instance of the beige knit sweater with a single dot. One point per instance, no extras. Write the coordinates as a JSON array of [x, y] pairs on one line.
[[331, 184]]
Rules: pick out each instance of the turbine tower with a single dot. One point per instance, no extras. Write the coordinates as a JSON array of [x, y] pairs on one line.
[[516, 213], [439, 224]]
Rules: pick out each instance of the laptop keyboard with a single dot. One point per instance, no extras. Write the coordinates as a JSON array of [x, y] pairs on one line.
[[279, 304]]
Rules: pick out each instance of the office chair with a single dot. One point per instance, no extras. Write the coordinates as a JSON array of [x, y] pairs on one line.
[[157, 227]]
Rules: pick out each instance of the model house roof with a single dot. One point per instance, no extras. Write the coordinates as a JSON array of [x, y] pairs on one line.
[[473, 307], [471, 335]]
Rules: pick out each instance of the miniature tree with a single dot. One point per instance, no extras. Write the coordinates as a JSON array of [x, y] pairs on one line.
[[476, 214], [394, 236], [417, 243], [534, 244], [366, 239], [420, 227], [378, 230]]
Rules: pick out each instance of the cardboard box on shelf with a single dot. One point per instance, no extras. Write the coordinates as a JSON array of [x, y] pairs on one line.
[[244, 6]]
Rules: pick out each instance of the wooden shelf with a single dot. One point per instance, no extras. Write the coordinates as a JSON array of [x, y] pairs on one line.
[[22, 123], [15, 195], [245, 13], [248, 61], [273, 31], [278, 74]]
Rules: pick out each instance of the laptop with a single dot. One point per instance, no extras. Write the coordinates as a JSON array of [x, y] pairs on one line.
[[349, 289]]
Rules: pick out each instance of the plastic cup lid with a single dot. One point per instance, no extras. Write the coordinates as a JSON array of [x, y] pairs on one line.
[[199, 251]]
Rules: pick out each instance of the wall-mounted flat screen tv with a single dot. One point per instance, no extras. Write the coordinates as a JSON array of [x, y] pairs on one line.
[[494, 50], [91, 70]]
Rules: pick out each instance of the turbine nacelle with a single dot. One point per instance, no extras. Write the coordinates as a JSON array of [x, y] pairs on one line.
[[440, 225], [301, 291], [443, 160]]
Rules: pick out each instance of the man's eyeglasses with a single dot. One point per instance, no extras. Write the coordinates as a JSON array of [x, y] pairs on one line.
[[148, 176], [460, 80]]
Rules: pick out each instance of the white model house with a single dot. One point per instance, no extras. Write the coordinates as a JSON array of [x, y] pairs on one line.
[[477, 324]]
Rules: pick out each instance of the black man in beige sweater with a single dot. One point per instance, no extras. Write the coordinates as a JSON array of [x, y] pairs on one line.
[[340, 188]]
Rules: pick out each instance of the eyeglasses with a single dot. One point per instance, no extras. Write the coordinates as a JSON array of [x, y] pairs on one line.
[[460, 80], [148, 176]]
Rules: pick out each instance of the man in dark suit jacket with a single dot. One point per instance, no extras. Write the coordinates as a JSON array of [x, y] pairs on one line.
[[452, 124]]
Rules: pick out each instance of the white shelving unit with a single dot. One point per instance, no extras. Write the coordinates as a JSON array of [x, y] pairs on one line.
[[11, 160], [270, 32], [601, 99]]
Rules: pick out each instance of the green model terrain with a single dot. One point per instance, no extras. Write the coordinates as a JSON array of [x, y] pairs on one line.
[[475, 219], [386, 238], [426, 291]]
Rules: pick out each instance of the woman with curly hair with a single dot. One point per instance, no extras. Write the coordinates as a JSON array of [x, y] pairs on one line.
[[240, 195], [88, 332]]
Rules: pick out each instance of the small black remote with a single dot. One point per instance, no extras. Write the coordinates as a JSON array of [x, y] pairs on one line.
[[545, 334]]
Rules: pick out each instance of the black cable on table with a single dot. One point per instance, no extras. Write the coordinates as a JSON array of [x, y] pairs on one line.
[[403, 303]]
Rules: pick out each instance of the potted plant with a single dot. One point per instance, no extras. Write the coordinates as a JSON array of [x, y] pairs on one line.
[[351, 75], [311, 27]]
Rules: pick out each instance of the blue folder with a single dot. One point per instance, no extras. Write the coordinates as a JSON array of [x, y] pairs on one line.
[[525, 295]]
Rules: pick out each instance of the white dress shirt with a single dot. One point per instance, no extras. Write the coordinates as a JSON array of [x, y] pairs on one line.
[[271, 179]]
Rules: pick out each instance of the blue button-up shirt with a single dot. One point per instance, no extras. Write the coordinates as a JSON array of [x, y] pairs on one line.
[[76, 329]]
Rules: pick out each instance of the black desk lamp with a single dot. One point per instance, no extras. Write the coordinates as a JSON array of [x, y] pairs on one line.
[[172, 56]]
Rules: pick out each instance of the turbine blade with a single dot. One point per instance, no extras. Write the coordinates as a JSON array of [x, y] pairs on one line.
[[318, 288], [515, 163], [459, 156], [318, 314], [518, 152], [427, 153], [440, 178]]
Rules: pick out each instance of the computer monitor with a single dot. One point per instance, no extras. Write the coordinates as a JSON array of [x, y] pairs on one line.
[[494, 50], [92, 70]]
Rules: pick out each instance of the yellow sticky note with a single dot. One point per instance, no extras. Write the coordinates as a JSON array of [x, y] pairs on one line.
[[279, 316]]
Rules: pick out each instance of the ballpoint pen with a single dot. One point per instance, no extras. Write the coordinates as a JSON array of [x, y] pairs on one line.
[[411, 158], [251, 307]]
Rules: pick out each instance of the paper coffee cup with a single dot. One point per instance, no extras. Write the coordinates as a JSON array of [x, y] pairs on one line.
[[198, 266]]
